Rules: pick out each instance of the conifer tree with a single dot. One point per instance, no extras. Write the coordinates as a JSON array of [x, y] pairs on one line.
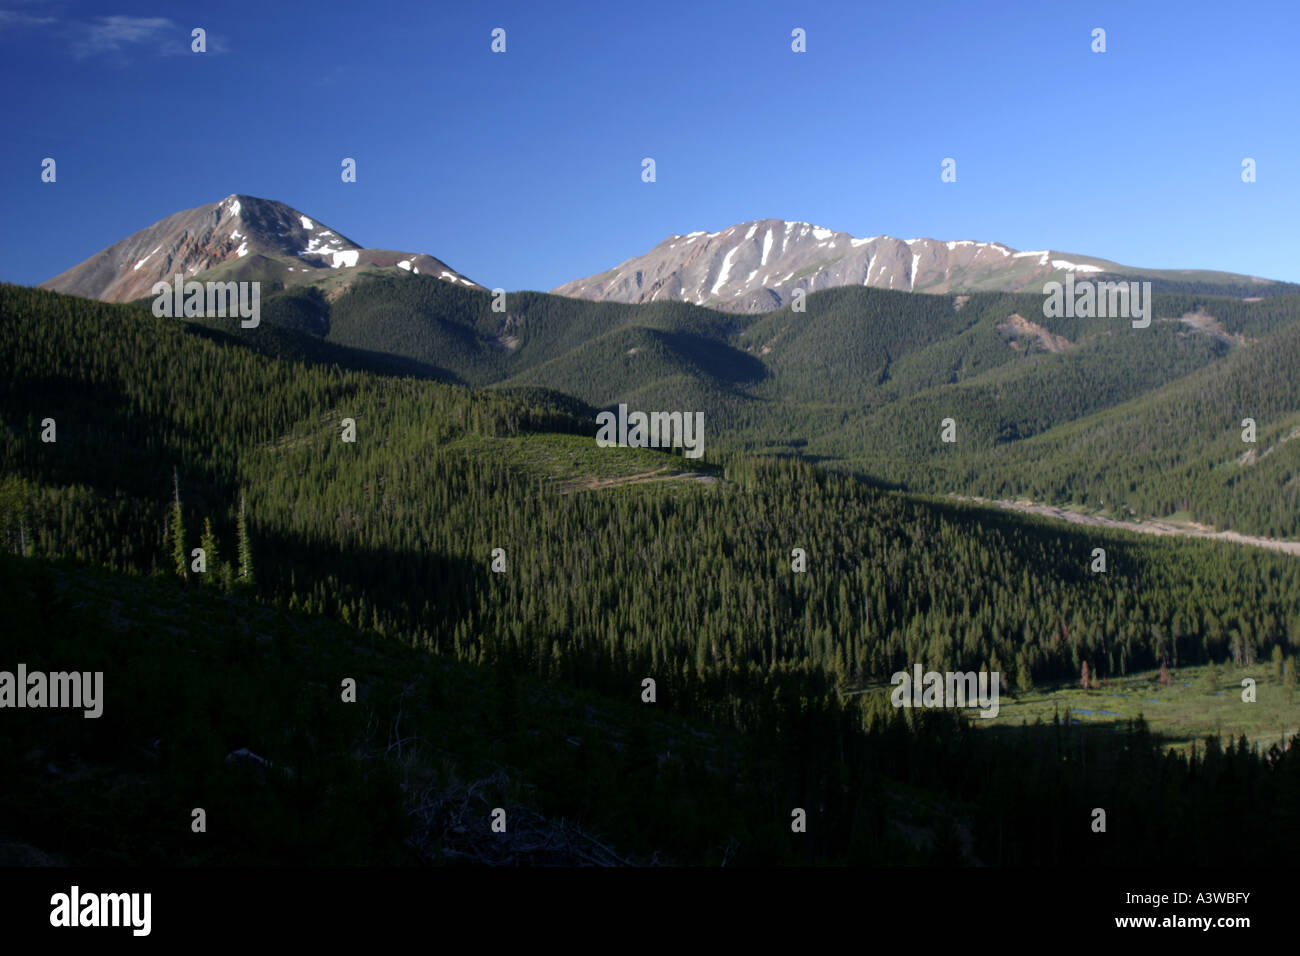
[[208, 542], [245, 548], [1024, 680], [177, 530]]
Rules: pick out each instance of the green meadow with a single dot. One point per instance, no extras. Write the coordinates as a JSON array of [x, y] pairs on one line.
[[1198, 702]]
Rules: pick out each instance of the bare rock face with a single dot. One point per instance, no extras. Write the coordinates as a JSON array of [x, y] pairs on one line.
[[756, 266], [195, 240], [1026, 335]]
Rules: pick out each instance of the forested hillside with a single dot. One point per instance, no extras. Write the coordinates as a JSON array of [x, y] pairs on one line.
[[1075, 411], [684, 581], [1173, 448]]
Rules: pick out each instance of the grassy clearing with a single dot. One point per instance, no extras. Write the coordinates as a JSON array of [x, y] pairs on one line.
[[566, 459], [1188, 709]]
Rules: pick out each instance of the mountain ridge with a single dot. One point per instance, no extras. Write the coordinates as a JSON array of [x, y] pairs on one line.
[[245, 236], [706, 268]]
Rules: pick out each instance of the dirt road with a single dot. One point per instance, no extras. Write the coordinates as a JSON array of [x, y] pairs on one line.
[[1150, 526]]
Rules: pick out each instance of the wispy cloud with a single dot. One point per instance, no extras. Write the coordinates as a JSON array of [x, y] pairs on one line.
[[112, 35], [15, 18], [118, 33]]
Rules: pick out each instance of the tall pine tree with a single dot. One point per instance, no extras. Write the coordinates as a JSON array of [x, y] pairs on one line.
[[245, 548], [176, 530], [208, 542]]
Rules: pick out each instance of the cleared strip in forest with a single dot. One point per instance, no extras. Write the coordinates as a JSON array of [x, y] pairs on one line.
[[659, 474], [1149, 526]]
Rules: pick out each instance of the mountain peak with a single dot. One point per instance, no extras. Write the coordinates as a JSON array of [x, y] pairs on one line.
[[273, 240], [755, 266]]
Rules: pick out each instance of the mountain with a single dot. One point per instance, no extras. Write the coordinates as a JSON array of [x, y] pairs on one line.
[[857, 380], [244, 238], [756, 266]]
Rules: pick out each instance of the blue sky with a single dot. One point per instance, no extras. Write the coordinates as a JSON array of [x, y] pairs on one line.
[[523, 169]]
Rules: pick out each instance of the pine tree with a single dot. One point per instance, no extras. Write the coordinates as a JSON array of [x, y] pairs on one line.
[[1024, 680], [177, 530], [245, 548], [208, 542]]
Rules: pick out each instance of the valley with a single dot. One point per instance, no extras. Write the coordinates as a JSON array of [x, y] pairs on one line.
[[499, 455], [861, 381], [481, 531], [434, 486]]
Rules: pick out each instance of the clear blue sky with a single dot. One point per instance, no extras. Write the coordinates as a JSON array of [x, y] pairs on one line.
[[523, 170]]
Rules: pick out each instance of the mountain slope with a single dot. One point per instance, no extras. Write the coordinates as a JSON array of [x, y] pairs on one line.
[[393, 535], [1177, 448], [238, 238], [864, 376], [756, 266], [861, 376]]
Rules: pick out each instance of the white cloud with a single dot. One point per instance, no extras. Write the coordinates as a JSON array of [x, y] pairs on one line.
[[115, 34], [12, 18]]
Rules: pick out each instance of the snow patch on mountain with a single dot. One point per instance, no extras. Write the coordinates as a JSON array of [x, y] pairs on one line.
[[724, 272], [737, 269], [196, 240], [1075, 266]]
